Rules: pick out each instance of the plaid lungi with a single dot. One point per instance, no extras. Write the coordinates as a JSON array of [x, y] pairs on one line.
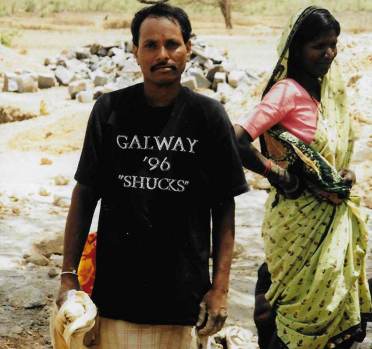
[[118, 334]]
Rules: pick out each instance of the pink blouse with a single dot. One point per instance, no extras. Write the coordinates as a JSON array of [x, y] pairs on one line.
[[288, 104]]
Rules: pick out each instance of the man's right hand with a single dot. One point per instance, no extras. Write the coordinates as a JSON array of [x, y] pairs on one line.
[[68, 282]]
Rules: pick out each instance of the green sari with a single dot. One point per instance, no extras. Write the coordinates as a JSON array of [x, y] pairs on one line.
[[315, 250]]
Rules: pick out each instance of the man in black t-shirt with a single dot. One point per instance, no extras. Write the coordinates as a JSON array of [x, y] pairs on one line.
[[164, 162]]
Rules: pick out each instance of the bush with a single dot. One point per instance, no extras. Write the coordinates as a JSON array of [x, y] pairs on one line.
[[6, 37], [116, 24]]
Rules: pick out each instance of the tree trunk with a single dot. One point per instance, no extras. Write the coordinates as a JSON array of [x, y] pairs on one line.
[[225, 6]]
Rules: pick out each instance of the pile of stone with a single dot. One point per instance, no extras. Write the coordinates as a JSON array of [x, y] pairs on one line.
[[27, 81], [90, 71]]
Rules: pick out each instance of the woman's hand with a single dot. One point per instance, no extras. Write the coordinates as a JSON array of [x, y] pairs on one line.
[[348, 177]]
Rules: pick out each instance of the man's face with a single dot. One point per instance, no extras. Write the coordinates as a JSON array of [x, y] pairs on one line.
[[161, 51]]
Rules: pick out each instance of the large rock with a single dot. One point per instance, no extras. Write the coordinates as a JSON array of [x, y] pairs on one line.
[[85, 96], [212, 72], [100, 78], [51, 245], [201, 80], [27, 297], [235, 77], [75, 65], [46, 80], [27, 82], [63, 75], [225, 91], [131, 66], [83, 53], [189, 82], [37, 258], [78, 86], [10, 82], [100, 90], [219, 77]]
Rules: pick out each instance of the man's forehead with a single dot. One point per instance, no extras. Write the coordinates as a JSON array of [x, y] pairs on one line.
[[156, 27]]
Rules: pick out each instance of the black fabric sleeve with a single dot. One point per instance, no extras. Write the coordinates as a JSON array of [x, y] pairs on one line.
[[225, 167], [89, 169]]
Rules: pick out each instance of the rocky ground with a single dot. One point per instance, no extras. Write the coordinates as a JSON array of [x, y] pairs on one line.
[[39, 151]]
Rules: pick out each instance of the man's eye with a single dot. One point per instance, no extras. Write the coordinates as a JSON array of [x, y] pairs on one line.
[[172, 44], [150, 45]]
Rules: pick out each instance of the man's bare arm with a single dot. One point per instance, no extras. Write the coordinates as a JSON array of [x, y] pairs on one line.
[[79, 219], [214, 306]]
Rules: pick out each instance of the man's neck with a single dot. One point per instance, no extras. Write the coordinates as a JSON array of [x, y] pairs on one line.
[[161, 96]]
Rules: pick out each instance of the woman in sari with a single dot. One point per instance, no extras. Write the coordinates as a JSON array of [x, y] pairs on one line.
[[312, 292]]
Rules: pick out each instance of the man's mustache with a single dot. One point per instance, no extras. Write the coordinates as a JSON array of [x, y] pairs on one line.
[[162, 65]]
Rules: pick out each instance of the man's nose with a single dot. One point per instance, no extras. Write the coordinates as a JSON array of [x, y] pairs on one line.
[[163, 53]]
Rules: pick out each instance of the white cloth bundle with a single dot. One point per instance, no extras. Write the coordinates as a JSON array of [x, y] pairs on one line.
[[72, 321], [232, 337]]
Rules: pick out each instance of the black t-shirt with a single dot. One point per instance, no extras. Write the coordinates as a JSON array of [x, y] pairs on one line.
[[159, 171]]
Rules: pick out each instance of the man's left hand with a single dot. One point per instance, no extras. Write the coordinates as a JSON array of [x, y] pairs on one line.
[[213, 312]]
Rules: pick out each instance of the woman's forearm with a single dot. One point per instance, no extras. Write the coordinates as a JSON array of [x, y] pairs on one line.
[[252, 159]]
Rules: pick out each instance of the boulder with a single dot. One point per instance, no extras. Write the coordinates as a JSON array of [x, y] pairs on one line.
[[50, 246], [61, 180], [50, 61], [201, 80], [63, 75], [46, 80], [53, 272], [219, 77], [225, 91], [60, 201], [189, 82], [27, 297], [100, 78], [78, 86], [37, 258], [235, 77], [100, 90], [10, 82], [212, 71], [85, 96], [27, 82], [83, 53]]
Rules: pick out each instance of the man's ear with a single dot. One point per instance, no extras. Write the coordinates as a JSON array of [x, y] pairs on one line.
[[135, 52], [188, 48]]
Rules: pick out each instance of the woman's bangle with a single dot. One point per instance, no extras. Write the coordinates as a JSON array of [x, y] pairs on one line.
[[71, 272]]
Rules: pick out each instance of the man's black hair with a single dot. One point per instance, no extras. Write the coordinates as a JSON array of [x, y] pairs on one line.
[[175, 14]]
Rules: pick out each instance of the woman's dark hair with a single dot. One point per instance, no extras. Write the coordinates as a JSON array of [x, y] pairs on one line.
[[175, 14], [315, 24]]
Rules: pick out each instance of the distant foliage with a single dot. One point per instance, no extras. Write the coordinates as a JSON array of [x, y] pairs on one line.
[[245, 7], [7, 36]]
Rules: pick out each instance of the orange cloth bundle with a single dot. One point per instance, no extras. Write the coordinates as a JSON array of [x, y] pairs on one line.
[[87, 265]]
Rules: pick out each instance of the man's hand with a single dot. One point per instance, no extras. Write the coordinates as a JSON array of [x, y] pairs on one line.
[[68, 282], [213, 312], [348, 177], [287, 182]]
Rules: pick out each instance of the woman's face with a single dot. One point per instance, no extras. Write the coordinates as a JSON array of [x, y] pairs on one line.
[[318, 54]]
